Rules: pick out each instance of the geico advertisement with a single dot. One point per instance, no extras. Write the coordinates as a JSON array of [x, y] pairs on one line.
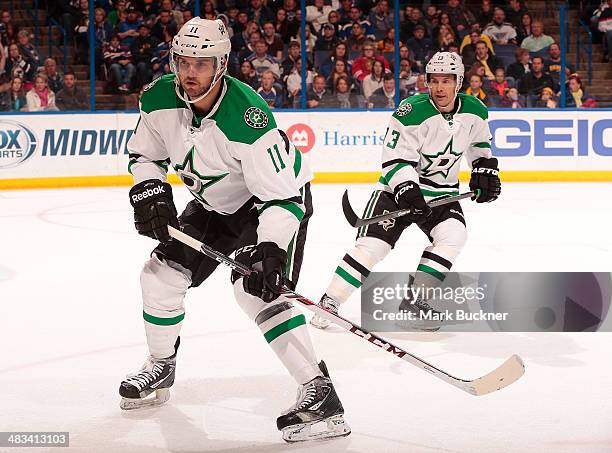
[[96, 144]]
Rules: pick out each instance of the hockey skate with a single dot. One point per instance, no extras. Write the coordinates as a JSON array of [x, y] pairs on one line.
[[419, 316], [330, 305], [317, 413], [155, 377]]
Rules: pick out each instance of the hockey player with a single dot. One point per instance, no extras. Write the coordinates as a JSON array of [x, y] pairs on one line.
[[426, 137], [252, 196]]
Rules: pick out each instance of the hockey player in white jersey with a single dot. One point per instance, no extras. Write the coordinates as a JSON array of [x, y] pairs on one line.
[[426, 137], [252, 196]]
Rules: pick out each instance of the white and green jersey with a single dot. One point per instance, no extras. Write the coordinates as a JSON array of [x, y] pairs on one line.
[[425, 146], [225, 158]]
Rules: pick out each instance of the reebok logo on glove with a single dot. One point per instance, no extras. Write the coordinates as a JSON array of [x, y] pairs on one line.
[[147, 193]]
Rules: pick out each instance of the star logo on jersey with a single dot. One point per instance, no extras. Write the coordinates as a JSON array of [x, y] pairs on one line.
[[387, 224], [256, 118], [194, 181], [442, 162]]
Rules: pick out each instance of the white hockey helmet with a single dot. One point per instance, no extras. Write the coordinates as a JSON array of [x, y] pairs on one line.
[[446, 63], [201, 38]]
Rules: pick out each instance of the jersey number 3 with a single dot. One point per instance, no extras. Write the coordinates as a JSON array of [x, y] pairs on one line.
[[394, 138]]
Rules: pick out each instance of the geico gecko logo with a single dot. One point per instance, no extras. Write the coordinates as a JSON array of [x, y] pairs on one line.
[[17, 143], [302, 136]]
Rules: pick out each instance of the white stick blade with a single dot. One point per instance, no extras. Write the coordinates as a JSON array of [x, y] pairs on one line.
[[509, 372]]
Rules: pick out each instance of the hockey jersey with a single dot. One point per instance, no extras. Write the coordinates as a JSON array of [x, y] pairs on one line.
[[227, 158], [425, 146]]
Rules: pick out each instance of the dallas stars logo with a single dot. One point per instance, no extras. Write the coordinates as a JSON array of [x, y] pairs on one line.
[[194, 181], [442, 162], [387, 224]]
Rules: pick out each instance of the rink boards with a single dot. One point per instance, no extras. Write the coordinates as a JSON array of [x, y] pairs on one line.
[[63, 150]]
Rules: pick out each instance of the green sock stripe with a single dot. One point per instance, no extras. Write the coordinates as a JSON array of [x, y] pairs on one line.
[[284, 327], [431, 271], [348, 277], [163, 321]]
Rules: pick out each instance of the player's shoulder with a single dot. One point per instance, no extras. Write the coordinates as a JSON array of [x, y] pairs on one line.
[[473, 105], [414, 110], [243, 115], [161, 95]]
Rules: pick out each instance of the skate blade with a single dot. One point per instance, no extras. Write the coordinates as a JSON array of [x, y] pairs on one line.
[[324, 429], [159, 398], [319, 322]]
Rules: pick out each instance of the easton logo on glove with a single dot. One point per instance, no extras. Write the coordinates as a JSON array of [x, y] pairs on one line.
[[490, 171], [147, 193], [403, 189]]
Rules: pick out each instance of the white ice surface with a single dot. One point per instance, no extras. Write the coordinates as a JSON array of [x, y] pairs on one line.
[[71, 328]]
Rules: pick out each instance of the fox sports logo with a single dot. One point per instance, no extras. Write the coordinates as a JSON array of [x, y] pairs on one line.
[[17, 143]]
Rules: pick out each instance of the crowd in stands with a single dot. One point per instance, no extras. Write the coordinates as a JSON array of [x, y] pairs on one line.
[[510, 61]]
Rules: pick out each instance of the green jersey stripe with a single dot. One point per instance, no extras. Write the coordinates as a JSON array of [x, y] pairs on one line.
[[394, 170], [162, 321], [288, 205], [482, 145], [348, 277], [297, 165], [284, 327], [431, 271], [432, 193]]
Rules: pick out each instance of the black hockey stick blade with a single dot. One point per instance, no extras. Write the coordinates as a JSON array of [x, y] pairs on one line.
[[356, 222]]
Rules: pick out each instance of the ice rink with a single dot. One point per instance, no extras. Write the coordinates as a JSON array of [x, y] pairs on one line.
[[71, 328]]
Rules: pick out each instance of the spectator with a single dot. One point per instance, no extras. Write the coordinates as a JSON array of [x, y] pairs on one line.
[[384, 97], [263, 62], [484, 14], [259, 12], [164, 21], [359, 66], [142, 53], [575, 95], [499, 85], [103, 31], [475, 89], [357, 38], [515, 12], [293, 55], [534, 81], [333, 18], [249, 48], [65, 13], [274, 42], [340, 69], [267, 91], [408, 77], [26, 47], [242, 19], [524, 28], [127, 30], [553, 64], [604, 25], [19, 66], [148, 9], [54, 78], [328, 39], [40, 98], [318, 96], [291, 8], [345, 11], [459, 16], [468, 47], [387, 45], [446, 37], [374, 81], [500, 31], [285, 27], [420, 87], [317, 14], [177, 16], [521, 66], [248, 75], [537, 40], [490, 62], [71, 97], [160, 62], [512, 100], [118, 60], [547, 99], [81, 33], [412, 20], [208, 11], [119, 14], [432, 17], [342, 97], [444, 22], [8, 30], [420, 45], [294, 84], [241, 40], [355, 17], [340, 52], [14, 100], [381, 19]]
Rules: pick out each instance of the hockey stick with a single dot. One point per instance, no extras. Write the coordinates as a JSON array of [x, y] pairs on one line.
[[356, 222], [510, 371]]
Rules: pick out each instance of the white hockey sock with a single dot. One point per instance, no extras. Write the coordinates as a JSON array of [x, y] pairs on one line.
[[284, 328], [164, 285], [355, 267]]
